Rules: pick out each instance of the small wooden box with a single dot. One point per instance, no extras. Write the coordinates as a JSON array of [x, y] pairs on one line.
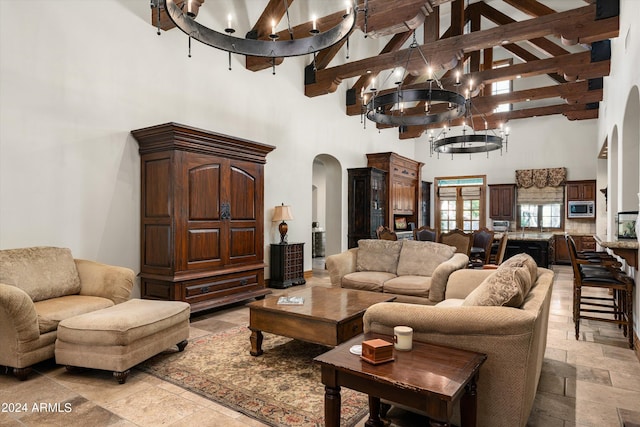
[[377, 351]]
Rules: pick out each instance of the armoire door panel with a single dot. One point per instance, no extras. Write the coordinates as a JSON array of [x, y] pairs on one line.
[[157, 246], [204, 180], [243, 181], [204, 245], [242, 245], [157, 185]]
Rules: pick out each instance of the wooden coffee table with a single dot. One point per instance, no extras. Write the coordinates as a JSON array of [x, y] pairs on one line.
[[329, 316], [429, 378]]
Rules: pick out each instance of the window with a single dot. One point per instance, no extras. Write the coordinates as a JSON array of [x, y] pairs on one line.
[[540, 208], [502, 86], [460, 203], [545, 216]]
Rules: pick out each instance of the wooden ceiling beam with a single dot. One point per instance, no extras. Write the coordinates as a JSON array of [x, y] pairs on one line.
[[495, 120], [446, 53], [531, 7], [545, 45]]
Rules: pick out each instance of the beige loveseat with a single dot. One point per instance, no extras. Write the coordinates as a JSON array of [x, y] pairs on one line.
[[41, 286], [413, 271], [502, 313]]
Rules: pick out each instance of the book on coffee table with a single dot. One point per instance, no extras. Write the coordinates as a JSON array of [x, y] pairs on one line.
[[291, 301]]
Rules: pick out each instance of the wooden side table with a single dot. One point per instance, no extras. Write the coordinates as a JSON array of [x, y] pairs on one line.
[[429, 378], [287, 265]]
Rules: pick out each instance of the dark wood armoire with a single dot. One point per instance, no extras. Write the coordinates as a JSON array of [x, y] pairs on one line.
[[367, 201], [202, 216]]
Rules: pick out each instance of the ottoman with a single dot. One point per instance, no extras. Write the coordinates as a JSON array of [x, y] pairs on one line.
[[119, 337]]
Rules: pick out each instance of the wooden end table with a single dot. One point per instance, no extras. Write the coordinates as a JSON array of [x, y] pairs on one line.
[[429, 378], [329, 316]]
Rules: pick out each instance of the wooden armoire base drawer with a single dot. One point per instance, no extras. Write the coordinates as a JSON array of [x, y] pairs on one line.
[[208, 292]]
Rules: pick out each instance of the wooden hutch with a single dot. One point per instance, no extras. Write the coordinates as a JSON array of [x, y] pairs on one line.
[[201, 216], [404, 188]]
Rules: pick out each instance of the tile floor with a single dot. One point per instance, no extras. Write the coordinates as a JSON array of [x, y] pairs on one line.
[[591, 382]]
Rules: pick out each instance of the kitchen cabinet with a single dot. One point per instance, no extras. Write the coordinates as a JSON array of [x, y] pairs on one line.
[[201, 216], [583, 243], [366, 206], [404, 184], [502, 201], [581, 190]]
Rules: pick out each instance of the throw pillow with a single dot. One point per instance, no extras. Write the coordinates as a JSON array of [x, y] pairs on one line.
[[378, 255], [418, 258], [503, 287], [527, 261]]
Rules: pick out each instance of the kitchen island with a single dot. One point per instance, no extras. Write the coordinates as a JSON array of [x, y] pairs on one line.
[[539, 245]]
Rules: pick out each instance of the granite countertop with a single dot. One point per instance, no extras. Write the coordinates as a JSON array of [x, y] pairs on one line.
[[529, 236], [616, 243]]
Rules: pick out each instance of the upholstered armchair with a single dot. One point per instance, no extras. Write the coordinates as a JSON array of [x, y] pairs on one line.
[[41, 286]]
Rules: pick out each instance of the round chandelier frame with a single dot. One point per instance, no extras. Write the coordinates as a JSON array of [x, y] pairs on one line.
[[376, 107], [273, 48], [467, 144]]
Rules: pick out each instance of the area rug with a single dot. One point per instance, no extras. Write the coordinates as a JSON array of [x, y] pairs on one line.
[[282, 387]]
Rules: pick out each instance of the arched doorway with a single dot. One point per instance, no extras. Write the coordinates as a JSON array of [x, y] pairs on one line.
[[326, 205]]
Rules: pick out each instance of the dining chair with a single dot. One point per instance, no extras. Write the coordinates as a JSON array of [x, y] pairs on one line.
[[424, 234], [610, 297], [496, 258], [458, 238], [481, 248], [385, 233]]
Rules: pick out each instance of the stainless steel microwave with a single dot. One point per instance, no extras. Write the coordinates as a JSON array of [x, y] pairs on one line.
[[581, 209]]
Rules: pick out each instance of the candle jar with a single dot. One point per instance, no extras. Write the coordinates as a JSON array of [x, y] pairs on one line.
[[403, 338]]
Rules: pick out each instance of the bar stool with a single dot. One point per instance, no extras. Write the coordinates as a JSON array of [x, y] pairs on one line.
[[618, 303]]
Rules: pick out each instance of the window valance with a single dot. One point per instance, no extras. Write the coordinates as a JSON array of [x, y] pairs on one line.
[[551, 177]]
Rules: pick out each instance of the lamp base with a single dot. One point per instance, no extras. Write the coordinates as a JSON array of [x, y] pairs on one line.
[[283, 228]]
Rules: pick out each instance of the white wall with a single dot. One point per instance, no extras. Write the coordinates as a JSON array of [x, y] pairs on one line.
[[616, 120], [77, 77]]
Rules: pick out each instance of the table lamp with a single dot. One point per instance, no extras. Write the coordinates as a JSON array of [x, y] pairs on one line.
[[282, 213]]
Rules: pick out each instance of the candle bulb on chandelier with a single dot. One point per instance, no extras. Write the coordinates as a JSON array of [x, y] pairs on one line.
[[457, 77], [273, 26], [229, 21], [313, 18]]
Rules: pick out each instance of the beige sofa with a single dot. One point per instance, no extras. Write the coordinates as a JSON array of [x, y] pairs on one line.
[[41, 286], [502, 313], [414, 271]]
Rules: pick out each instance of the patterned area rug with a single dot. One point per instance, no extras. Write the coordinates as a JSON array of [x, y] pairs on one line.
[[281, 387]]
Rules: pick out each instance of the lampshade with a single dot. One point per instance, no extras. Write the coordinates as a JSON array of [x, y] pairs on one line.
[[282, 213]]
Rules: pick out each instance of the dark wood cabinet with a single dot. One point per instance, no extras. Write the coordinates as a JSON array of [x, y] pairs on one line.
[[540, 250], [583, 243], [581, 190], [287, 265], [426, 204], [367, 199], [404, 186], [502, 201], [202, 216]]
